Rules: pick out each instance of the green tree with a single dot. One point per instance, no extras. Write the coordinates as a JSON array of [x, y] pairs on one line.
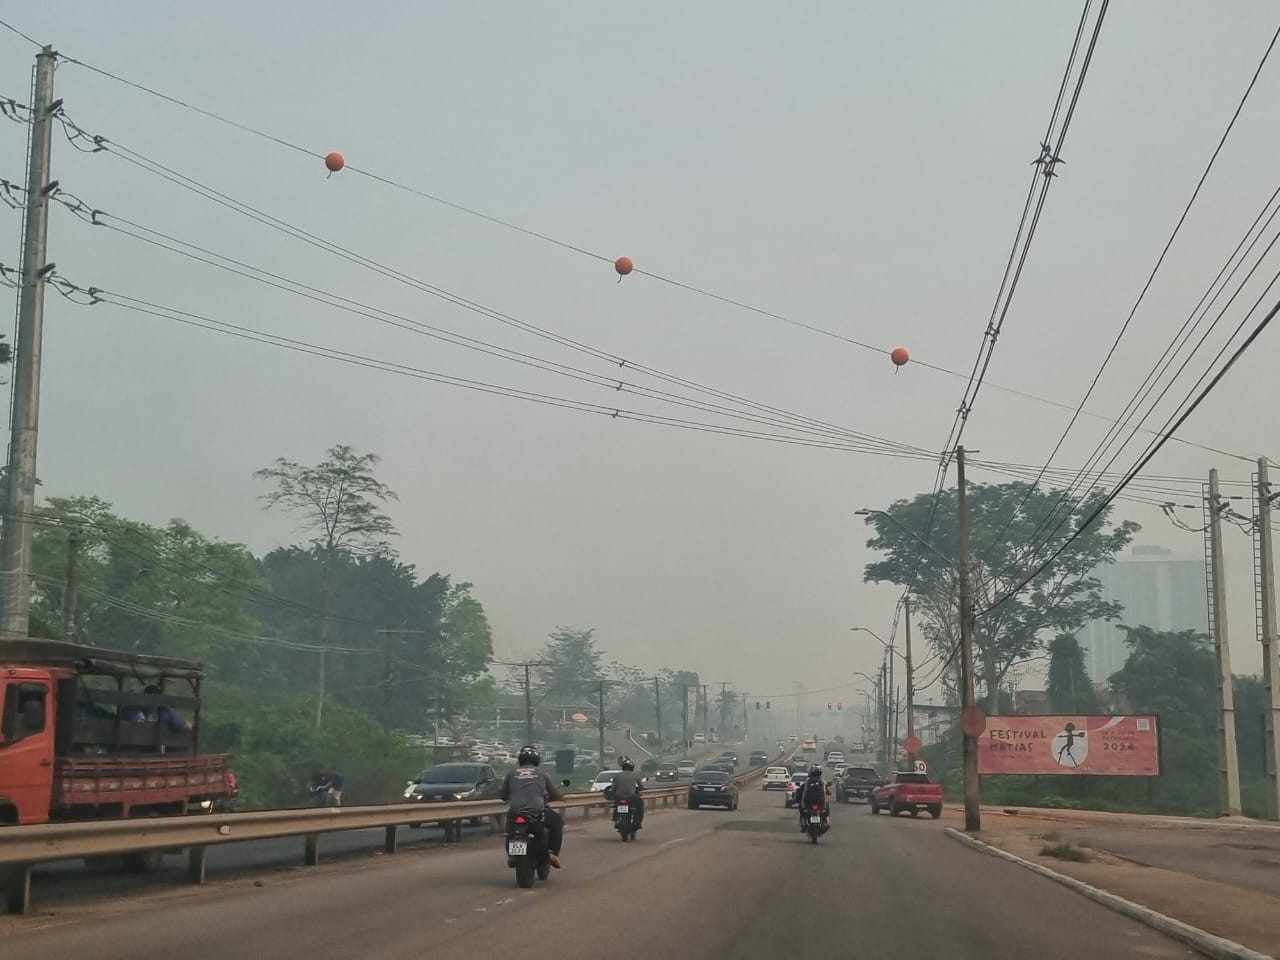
[[573, 664], [1171, 674], [1003, 520], [1069, 688], [340, 502]]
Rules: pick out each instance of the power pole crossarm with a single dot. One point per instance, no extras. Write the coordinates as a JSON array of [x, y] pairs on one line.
[[20, 486]]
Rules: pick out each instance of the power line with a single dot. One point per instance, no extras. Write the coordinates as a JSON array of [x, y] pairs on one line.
[[1156, 446], [1124, 327]]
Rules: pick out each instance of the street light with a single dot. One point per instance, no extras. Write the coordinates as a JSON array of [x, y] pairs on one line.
[[884, 643], [909, 532]]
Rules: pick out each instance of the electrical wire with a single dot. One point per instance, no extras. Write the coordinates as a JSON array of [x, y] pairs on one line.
[[1124, 327], [1171, 426]]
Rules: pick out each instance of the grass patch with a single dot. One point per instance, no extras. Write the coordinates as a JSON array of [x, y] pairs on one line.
[[1065, 850]]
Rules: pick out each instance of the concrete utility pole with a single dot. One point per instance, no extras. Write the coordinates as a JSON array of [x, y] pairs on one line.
[[684, 718], [972, 794], [724, 709], [706, 715], [1228, 758], [1270, 643], [20, 486], [911, 689], [657, 709], [882, 716], [72, 585], [602, 683]]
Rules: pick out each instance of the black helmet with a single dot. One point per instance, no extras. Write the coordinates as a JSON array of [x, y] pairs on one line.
[[528, 756], [815, 772], [626, 763]]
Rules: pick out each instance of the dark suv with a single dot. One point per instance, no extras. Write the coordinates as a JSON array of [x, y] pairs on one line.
[[758, 758], [666, 771], [448, 782], [856, 783]]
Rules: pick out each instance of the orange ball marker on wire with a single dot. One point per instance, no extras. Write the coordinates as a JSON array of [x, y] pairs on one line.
[[334, 161], [899, 356], [623, 265]]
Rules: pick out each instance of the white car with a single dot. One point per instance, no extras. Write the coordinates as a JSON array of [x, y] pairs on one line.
[[686, 768], [500, 756], [776, 778], [603, 779], [834, 757], [699, 738], [839, 769]]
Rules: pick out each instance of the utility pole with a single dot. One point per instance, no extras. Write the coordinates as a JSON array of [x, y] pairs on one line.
[[972, 796], [799, 729], [724, 708], [388, 634], [706, 711], [601, 754], [657, 708], [24, 422], [882, 716], [72, 585], [1228, 758], [911, 687], [1270, 643], [684, 718]]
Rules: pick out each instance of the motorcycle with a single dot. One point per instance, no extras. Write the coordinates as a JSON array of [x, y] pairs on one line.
[[527, 848], [624, 820], [816, 822]]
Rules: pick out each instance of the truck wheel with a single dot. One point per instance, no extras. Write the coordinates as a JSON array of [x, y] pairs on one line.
[[914, 813], [894, 810], [875, 808], [935, 812]]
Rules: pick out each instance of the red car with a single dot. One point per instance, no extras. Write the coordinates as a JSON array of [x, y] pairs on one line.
[[912, 792]]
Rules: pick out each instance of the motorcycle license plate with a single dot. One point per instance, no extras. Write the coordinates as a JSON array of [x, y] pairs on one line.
[[815, 821], [623, 808], [517, 848]]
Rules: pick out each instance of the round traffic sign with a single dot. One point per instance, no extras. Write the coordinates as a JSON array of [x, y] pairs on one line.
[[579, 718], [911, 745], [921, 767], [973, 721]]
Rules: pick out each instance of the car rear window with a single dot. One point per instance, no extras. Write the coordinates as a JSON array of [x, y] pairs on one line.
[[774, 771], [711, 776], [865, 772]]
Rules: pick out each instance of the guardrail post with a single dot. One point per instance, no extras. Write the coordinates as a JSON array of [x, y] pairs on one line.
[[311, 852], [15, 885], [389, 842], [195, 865]]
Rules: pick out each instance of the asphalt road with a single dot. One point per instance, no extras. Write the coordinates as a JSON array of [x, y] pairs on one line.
[[695, 884]]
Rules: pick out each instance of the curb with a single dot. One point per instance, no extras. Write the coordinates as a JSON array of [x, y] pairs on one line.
[[1219, 948], [1151, 821]]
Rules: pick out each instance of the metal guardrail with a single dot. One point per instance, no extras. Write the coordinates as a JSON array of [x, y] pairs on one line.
[[21, 848]]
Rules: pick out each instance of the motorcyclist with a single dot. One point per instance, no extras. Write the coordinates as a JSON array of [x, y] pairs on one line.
[[812, 791], [626, 786], [527, 790]]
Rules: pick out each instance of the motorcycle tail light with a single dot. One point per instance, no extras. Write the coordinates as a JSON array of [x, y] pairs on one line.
[[520, 820]]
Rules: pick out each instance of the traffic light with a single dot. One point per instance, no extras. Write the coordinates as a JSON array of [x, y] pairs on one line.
[[757, 704], [839, 706], [768, 704], [828, 706]]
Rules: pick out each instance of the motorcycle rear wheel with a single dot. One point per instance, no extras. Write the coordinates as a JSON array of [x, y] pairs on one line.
[[544, 869], [524, 874]]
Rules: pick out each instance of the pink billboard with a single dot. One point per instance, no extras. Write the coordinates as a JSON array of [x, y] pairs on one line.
[[1062, 745]]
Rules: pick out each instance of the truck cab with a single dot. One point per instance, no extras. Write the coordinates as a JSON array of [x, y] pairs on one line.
[[88, 733]]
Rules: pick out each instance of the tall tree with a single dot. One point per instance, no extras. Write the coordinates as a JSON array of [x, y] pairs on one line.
[[340, 502], [573, 664], [1069, 688], [1011, 533]]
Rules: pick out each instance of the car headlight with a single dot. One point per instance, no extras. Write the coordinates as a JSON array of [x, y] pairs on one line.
[[408, 794], [464, 795]]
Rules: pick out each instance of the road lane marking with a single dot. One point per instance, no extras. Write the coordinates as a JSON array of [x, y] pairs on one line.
[[670, 842]]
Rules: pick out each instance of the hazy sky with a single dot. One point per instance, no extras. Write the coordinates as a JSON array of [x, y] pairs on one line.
[[856, 166]]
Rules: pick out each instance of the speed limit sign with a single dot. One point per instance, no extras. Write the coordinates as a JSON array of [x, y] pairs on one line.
[[921, 767]]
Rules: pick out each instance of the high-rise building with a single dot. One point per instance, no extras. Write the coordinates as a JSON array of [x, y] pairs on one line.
[[1158, 590]]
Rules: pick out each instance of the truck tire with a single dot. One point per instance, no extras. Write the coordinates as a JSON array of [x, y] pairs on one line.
[[894, 809], [935, 812], [875, 808]]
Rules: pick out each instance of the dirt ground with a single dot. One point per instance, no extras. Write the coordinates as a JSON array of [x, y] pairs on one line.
[[1238, 909]]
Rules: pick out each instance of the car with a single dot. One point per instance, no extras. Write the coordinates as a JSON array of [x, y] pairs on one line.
[[699, 738], [448, 782], [666, 771], [713, 788], [686, 768], [837, 771], [610, 750], [721, 767], [834, 757], [856, 784], [911, 792], [776, 778], [500, 756], [758, 758], [728, 757], [603, 779], [792, 739], [793, 785]]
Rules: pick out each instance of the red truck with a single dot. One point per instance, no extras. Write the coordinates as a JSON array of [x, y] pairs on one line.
[[908, 791], [88, 733]]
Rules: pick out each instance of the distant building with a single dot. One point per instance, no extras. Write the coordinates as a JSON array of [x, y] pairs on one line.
[[1032, 702], [1158, 590]]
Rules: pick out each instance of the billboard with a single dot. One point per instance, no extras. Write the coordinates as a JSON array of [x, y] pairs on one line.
[[1061, 745]]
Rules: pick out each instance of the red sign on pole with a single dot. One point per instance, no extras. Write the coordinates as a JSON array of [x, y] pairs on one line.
[[1062, 745], [911, 745], [973, 721]]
